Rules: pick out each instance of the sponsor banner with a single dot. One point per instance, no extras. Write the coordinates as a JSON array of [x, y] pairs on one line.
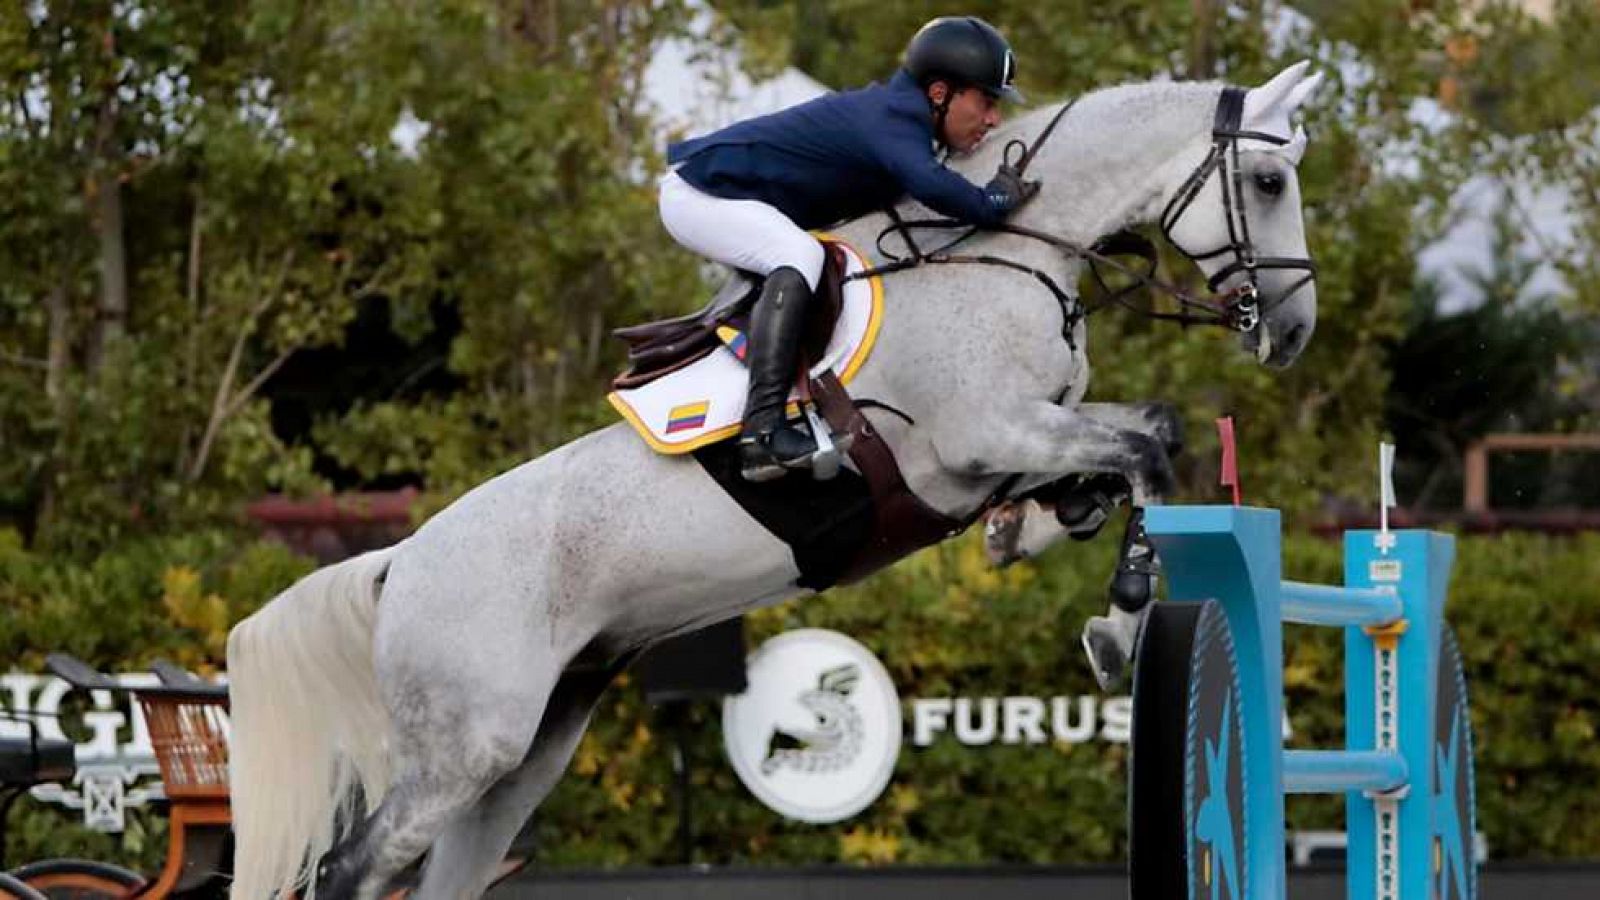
[[977, 721], [817, 733]]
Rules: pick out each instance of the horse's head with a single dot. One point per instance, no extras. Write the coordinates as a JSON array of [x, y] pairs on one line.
[[1234, 208]]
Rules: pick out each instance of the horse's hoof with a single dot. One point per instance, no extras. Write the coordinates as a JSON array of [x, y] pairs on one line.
[[1109, 642], [1086, 508], [337, 876], [1081, 510]]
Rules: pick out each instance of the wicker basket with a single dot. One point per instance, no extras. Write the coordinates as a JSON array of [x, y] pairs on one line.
[[190, 738]]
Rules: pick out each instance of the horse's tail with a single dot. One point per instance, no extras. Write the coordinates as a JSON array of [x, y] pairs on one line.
[[308, 728]]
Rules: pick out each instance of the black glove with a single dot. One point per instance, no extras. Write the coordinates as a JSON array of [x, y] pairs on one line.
[[1007, 191]]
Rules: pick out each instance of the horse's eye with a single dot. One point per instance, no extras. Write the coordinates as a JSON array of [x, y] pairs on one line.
[[1270, 183]]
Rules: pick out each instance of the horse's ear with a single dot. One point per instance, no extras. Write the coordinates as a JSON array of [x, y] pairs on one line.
[[840, 679], [1302, 92], [1267, 107]]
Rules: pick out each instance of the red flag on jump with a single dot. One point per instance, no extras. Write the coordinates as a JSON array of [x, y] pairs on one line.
[[1230, 456]]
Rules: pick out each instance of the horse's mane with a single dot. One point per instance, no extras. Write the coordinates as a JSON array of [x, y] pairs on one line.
[[1104, 111]]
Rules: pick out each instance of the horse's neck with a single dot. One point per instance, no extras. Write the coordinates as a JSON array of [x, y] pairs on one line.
[[1110, 159], [1106, 167]]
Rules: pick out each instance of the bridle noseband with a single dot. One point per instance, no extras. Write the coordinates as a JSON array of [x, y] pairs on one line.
[[1243, 302]]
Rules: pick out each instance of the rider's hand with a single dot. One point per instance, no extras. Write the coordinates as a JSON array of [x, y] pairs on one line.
[[1007, 191]]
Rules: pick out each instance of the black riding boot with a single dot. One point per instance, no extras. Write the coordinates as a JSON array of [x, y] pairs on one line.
[[768, 445]]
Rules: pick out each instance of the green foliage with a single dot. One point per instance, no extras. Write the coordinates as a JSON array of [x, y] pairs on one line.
[[945, 625], [153, 597], [197, 193], [159, 596], [278, 169], [1535, 89], [1524, 353]]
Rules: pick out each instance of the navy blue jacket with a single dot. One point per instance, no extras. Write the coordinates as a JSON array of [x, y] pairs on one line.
[[836, 157]]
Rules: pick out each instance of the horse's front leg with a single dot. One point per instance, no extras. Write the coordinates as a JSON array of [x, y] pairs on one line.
[[1078, 505], [1105, 446]]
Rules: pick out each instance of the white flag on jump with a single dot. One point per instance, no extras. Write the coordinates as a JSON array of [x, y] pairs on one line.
[[1386, 475], [1385, 495]]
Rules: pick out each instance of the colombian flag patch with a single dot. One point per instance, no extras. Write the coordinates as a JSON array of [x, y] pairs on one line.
[[735, 340], [687, 417]]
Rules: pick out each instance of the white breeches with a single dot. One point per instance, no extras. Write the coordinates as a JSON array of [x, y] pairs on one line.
[[744, 234]]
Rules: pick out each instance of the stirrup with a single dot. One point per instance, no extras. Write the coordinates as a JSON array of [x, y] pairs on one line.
[[825, 461]]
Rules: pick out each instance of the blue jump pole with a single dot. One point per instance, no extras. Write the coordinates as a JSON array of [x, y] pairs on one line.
[[1391, 607]]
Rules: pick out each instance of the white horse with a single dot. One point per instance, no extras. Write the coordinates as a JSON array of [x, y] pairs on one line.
[[428, 696]]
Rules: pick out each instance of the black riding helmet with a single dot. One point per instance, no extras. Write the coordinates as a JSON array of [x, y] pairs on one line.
[[966, 51]]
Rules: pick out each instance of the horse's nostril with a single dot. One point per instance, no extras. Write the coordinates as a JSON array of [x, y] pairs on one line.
[[1295, 335]]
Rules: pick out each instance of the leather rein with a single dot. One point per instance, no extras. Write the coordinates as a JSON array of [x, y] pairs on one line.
[[1238, 309]]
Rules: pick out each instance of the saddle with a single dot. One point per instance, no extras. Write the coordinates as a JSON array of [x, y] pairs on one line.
[[665, 346], [839, 528]]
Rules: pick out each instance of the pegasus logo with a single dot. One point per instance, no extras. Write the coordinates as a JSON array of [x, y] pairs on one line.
[[835, 741], [816, 734]]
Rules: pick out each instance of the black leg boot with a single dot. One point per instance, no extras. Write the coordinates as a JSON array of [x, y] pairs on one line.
[[1110, 639], [768, 445]]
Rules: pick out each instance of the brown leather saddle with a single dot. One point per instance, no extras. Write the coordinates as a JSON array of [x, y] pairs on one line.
[[665, 346]]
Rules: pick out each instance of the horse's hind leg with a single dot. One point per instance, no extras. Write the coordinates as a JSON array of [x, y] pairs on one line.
[[451, 750], [464, 859]]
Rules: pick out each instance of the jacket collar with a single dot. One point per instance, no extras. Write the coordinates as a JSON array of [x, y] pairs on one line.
[[902, 81], [912, 95]]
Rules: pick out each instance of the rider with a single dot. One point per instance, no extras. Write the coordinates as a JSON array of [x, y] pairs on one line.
[[746, 194]]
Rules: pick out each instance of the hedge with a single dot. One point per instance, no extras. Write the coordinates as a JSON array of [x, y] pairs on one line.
[[1526, 610]]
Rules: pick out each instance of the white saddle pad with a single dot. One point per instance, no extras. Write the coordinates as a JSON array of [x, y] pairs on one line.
[[704, 402]]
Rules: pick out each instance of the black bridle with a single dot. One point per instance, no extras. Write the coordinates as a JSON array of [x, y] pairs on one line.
[[1224, 160], [1237, 309]]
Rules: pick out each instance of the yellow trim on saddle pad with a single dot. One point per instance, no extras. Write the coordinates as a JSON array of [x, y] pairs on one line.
[[691, 407]]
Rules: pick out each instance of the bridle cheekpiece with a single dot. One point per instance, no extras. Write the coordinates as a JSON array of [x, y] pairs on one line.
[[1242, 304]]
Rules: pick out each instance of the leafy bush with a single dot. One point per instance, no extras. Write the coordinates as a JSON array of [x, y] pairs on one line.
[[1524, 607], [944, 624]]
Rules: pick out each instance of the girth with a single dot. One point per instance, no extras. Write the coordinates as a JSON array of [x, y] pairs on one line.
[[902, 524], [848, 527]]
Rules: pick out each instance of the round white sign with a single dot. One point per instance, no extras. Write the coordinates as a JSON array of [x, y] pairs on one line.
[[816, 734]]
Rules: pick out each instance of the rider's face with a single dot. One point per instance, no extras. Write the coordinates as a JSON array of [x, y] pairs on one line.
[[971, 116]]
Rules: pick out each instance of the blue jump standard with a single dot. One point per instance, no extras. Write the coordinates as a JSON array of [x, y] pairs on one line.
[[1404, 829]]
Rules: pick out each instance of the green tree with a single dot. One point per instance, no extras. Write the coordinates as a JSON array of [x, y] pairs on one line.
[[536, 169], [197, 192]]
